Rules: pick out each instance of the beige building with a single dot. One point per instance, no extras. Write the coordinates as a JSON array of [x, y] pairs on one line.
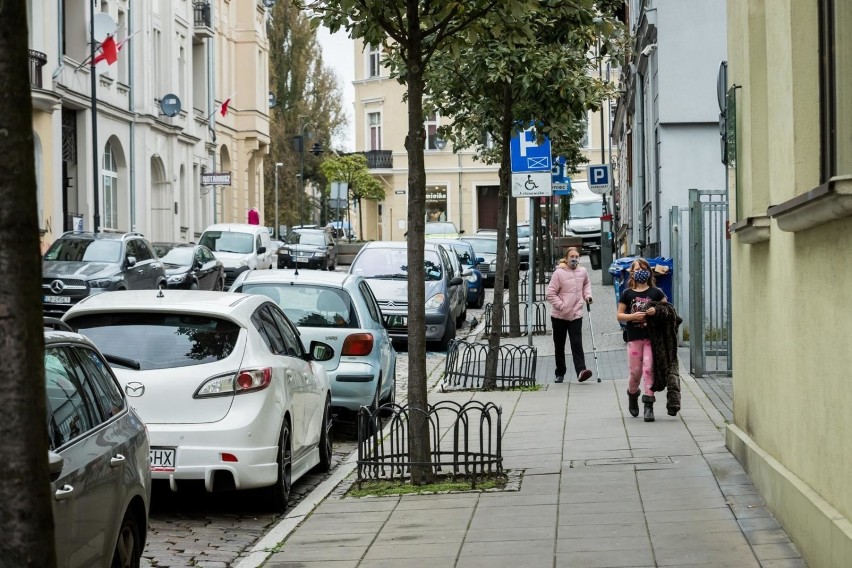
[[458, 188], [792, 230], [156, 111]]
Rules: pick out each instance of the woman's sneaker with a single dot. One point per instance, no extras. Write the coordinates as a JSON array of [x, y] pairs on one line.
[[558, 379], [584, 375]]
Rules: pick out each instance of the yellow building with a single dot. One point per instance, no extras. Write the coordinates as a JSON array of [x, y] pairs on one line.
[[458, 188], [791, 206]]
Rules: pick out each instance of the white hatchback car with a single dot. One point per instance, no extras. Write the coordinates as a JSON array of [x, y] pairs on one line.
[[228, 392], [338, 308]]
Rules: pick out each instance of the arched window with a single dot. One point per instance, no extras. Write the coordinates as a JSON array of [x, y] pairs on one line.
[[109, 174]]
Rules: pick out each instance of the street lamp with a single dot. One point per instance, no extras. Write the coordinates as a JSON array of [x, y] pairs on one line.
[[277, 226], [316, 150]]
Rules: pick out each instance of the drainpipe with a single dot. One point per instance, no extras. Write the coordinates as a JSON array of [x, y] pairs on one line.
[[60, 33], [461, 218], [131, 99], [211, 127]]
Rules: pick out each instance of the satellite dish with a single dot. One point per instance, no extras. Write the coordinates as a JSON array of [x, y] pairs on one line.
[[170, 105], [104, 26]]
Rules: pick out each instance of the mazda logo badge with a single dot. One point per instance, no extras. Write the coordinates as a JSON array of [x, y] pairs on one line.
[[134, 389], [57, 286]]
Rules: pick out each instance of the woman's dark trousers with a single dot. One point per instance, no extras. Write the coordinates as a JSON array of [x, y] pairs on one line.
[[574, 330]]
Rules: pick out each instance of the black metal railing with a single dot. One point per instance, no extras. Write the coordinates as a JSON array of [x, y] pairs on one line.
[[201, 10], [465, 366], [379, 159], [539, 318], [470, 446], [37, 61], [539, 287]]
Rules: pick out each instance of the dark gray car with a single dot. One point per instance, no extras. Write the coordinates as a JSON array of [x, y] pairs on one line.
[[385, 267], [98, 458], [78, 264]]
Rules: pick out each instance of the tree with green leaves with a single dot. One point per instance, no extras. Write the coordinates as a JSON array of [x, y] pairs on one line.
[[308, 102], [26, 520], [499, 87], [352, 169], [412, 33]]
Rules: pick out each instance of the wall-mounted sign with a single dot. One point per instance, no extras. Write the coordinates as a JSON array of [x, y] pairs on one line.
[[400, 192], [216, 178]]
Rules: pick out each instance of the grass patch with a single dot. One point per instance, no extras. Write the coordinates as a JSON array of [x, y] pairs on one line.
[[528, 388], [386, 488]]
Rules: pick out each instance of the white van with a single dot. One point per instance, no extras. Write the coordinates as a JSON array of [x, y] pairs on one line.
[[240, 247], [584, 220]]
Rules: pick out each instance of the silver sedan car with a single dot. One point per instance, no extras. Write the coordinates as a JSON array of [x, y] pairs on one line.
[[338, 309]]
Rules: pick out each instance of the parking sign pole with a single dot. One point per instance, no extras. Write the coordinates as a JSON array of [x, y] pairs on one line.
[[531, 270]]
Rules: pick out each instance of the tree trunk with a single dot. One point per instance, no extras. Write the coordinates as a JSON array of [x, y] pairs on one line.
[[414, 144], [503, 201], [26, 520]]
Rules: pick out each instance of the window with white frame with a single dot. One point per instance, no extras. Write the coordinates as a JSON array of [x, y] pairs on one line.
[[431, 126], [109, 174], [374, 61], [374, 120], [586, 141]]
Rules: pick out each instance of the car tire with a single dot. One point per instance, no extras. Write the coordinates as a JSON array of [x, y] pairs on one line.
[[193, 286], [449, 334], [279, 493], [128, 545], [161, 286], [462, 316], [481, 300], [326, 443], [390, 399], [220, 285]]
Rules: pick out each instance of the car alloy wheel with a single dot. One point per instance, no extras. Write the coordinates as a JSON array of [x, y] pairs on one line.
[[279, 494], [128, 552], [220, 285], [326, 445]]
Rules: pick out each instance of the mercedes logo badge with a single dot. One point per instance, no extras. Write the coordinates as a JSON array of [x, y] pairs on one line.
[[134, 389], [57, 286]]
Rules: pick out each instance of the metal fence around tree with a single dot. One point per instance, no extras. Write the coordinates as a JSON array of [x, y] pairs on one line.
[[465, 439], [539, 318], [465, 366]]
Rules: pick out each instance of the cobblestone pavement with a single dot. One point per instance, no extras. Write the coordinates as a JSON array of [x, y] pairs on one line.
[[197, 529]]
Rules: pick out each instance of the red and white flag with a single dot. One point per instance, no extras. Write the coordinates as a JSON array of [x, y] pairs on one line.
[[224, 108], [109, 50]]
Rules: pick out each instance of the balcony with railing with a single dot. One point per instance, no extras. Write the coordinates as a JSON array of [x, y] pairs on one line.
[[379, 159], [203, 18], [37, 61]]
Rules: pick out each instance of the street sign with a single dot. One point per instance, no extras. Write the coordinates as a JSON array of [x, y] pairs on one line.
[[527, 155], [559, 170], [532, 184], [216, 178], [598, 178], [562, 188], [339, 190]]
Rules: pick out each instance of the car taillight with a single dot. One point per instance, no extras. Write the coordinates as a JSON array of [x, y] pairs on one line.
[[246, 380], [252, 380], [358, 345]]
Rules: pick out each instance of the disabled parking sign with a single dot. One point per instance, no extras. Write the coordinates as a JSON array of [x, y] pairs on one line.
[[532, 184]]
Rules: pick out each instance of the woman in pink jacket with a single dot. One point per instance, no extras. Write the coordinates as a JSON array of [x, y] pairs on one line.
[[569, 288]]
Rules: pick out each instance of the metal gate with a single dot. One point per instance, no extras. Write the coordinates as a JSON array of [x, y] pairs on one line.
[[709, 284]]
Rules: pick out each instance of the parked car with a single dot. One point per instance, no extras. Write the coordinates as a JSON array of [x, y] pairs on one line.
[[79, 264], [191, 267], [230, 395], [385, 266], [239, 246], [475, 287], [523, 231], [312, 248], [340, 309], [98, 458], [441, 230], [485, 246]]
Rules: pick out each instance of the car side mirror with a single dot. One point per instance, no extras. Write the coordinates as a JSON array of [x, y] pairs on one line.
[[131, 261], [480, 259], [461, 231], [466, 272], [321, 351], [261, 250], [55, 462], [456, 281]]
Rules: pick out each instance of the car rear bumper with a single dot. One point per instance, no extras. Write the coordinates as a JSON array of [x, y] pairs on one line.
[[353, 385]]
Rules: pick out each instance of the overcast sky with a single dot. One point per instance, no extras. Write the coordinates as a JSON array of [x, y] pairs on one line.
[[338, 54]]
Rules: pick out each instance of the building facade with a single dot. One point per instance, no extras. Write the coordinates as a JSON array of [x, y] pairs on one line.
[[791, 228], [458, 188], [155, 124]]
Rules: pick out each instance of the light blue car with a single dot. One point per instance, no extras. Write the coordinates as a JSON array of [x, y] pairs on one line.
[[338, 309]]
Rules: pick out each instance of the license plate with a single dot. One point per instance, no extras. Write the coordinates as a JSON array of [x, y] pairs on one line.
[[397, 321], [57, 300], [162, 459], [303, 257]]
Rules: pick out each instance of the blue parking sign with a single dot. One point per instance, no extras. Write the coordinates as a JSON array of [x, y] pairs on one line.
[[527, 155], [598, 178]]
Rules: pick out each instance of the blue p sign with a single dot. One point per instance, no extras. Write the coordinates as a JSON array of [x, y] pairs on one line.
[[598, 178]]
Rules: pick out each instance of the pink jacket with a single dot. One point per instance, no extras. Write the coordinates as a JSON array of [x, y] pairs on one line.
[[567, 291]]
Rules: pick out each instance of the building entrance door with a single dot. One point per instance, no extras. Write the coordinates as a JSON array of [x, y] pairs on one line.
[[486, 206]]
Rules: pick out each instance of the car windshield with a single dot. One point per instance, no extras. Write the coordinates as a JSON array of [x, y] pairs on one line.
[[440, 228], [160, 340], [306, 238], [228, 241], [84, 250], [181, 256], [586, 210], [307, 305], [484, 246], [393, 263]]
